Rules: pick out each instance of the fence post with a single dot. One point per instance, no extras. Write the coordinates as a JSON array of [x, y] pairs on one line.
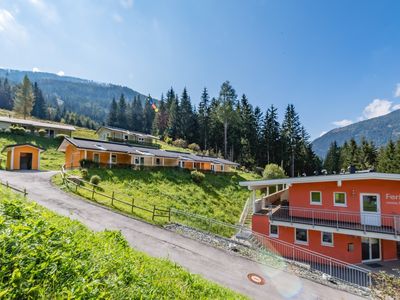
[[337, 220], [169, 214], [133, 204], [313, 221], [7, 184], [154, 211], [93, 193], [330, 266], [112, 199], [76, 187], [25, 193]]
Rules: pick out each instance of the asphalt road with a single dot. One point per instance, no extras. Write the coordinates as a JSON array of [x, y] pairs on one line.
[[214, 264]]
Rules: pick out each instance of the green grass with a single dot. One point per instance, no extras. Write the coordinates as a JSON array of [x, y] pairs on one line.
[[46, 256], [219, 196]]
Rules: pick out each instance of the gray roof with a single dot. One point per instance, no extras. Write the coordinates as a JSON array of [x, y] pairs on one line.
[[130, 149], [24, 122], [125, 131]]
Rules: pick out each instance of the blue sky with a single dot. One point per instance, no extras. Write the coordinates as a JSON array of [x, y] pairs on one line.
[[336, 61]]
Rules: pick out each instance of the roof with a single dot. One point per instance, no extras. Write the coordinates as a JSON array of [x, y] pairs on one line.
[[36, 123], [97, 145], [321, 178], [141, 134], [23, 144]]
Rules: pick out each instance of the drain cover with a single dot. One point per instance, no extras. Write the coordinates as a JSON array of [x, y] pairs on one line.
[[257, 279]]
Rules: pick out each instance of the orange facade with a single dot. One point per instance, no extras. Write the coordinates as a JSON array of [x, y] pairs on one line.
[[23, 157]]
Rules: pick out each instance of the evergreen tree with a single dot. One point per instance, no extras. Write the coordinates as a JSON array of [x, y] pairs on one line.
[[39, 108], [271, 137], [24, 98], [332, 162], [350, 155], [387, 159], [148, 116], [6, 99], [248, 133], [173, 116], [216, 127], [187, 122], [367, 155], [203, 118], [226, 111], [113, 114], [161, 119], [258, 115], [291, 137], [122, 116], [136, 115]]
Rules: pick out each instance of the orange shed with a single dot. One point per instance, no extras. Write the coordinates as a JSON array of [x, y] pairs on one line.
[[23, 157]]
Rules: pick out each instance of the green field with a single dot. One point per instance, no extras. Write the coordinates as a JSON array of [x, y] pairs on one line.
[[219, 196], [46, 256]]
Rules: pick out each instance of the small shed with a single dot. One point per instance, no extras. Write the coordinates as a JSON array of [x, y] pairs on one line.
[[23, 156]]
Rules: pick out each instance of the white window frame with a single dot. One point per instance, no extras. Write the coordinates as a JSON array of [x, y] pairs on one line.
[[325, 243], [112, 158], [213, 167], [273, 234], [222, 168], [126, 137], [320, 200], [98, 155], [136, 160], [158, 161], [181, 164], [295, 237], [140, 139], [340, 204]]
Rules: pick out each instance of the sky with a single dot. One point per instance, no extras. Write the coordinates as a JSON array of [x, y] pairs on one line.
[[338, 61]]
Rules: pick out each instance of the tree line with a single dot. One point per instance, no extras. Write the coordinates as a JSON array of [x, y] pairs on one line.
[[27, 99], [223, 125], [363, 156]]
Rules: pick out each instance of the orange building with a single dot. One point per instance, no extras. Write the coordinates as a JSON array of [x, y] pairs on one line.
[[23, 157], [354, 218], [109, 154]]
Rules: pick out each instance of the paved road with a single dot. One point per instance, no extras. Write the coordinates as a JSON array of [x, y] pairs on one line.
[[214, 264]]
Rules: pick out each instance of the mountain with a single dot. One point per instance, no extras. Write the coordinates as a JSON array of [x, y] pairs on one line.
[[82, 96], [379, 130]]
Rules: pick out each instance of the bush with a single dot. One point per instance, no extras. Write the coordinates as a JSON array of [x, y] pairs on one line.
[[60, 136], [273, 171], [180, 143], [168, 140], [17, 130], [194, 147], [95, 179], [88, 163], [42, 132], [197, 176], [84, 173]]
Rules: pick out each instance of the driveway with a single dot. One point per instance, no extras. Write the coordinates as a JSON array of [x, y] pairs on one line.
[[214, 264]]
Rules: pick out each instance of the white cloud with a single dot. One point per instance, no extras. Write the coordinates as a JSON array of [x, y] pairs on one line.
[[342, 123], [126, 3], [47, 11], [117, 18], [35, 69], [378, 107], [10, 29], [397, 92], [60, 73]]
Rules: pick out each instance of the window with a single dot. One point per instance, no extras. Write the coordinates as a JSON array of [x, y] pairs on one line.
[[301, 236], [339, 198], [158, 161], [142, 160], [137, 161], [273, 230], [212, 167], [222, 168], [140, 139], [125, 137], [181, 164], [114, 158], [96, 157], [315, 198], [327, 238]]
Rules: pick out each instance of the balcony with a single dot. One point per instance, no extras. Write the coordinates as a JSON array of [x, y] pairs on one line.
[[354, 221]]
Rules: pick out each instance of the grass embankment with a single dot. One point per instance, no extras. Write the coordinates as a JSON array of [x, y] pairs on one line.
[[219, 196], [46, 256]]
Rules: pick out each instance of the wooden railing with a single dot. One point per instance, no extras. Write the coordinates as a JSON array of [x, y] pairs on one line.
[[78, 183], [9, 186]]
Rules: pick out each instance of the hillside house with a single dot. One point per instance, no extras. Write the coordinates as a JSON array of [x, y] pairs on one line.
[[34, 126], [107, 133], [111, 154], [350, 217]]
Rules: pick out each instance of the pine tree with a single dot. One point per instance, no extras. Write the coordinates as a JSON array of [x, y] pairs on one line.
[[39, 108], [186, 120], [122, 116], [387, 158], [332, 162], [271, 142], [148, 116], [203, 118], [6, 99], [216, 128], [161, 119], [248, 133], [350, 155], [173, 116], [112, 119], [367, 155], [136, 115], [24, 98], [291, 137]]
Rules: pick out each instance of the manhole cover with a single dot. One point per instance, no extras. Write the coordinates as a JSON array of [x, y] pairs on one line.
[[257, 279]]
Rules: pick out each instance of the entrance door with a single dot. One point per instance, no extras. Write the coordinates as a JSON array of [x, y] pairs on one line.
[[371, 249], [25, 161], [370, 209]]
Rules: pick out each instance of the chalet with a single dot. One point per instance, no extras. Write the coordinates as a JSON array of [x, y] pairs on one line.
[[34, 126], [109, 154], [107, 133], [353, 217]]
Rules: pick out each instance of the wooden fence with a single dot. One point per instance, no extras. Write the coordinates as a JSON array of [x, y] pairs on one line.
[[78, 183], [7, 185]]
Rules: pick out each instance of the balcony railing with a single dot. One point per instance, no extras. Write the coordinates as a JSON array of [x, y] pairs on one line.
[[367, 222], [135, 143]]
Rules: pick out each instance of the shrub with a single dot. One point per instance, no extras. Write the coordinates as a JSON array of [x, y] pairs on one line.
[[95, 179], [180, 143], [87, 163], [168, 140], [60, 136], [84, 173], [7, 130], [194, 147], [197, 176], [273, 171], [17, 130], [42, 132]]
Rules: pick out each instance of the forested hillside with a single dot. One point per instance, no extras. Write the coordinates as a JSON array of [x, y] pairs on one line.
[[81, 96], [378, 130]]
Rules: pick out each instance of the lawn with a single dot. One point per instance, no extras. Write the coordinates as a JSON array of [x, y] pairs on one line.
[[219, 196], [46, 256]]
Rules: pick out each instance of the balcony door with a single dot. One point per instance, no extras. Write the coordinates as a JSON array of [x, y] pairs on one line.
[[371, 249], [370, 209]]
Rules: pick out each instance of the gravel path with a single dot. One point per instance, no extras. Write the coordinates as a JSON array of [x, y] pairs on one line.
[[213, 263]]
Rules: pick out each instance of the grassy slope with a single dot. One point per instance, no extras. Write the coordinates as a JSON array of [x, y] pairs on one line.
[[218, 196], [44, 255]]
